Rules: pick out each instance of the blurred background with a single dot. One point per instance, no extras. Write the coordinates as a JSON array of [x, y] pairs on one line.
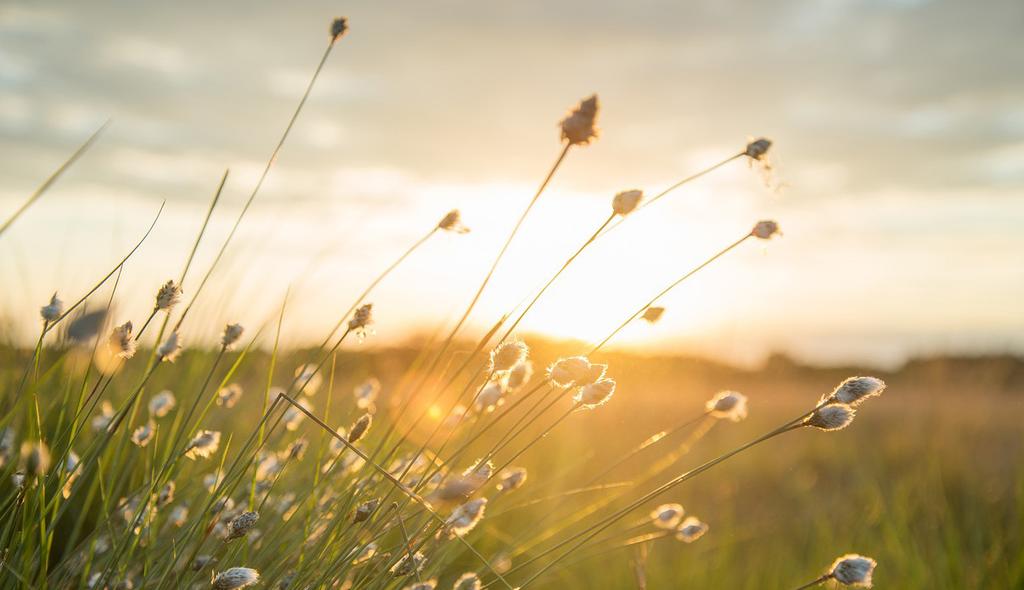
[[897, 124]]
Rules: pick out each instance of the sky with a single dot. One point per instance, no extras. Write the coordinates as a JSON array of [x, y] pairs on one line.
[[898, 131]]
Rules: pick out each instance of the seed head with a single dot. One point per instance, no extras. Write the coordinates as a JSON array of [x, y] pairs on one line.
[[667, 516], [161, 404], [52, 311], [653, 314], [35, 458], [359, 428], [758, 148], [168, 296], [465, 517], [409, 564], [490, 397], [508, 354], [853, 570], [179, 516], [364, 555], [731, 405], [364, 510], [511, 478], [240, 525], [143, 434], [229, 395], [366, 393], [309, 379], [626, 202], [203, 445], [166, 495], [236, 577], [453, 222], [765, 230], [480, 469], [338, 28], [595, 394], [578, 128], [519, 375], [170, 350], [293, 416], [231, 334], [831, 417], [424, 585], [467, 581], [362, 318], [576, 370], [855, 390], [71, 462], [102, 420], [691, 529], [297, 450], [121, 343]]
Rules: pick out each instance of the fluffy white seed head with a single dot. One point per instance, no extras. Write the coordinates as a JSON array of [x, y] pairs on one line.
[[831, 417], [170, 350], [103, 420], [508, 354], [359, 428], [231, 334], [579, 127], [691, 529], [236, 577], [361, 319], [653, 314], [730, 405], [467, 581], [229, 395], [204, 444], [409, 564], [667, 516], [240, 525], [168, 296], [293, 416], [465, 517], [308, 377], [161, 404], [120, 342], [490, 397], [758, 148], [519, 375], [366, 393], [595, 394], [853, 570], [453, 222], [626, 202], [511, 478], [576, 370], [855, 390], [765, 229], [424, 585], [480, 469], [52, 310], [143, 434]]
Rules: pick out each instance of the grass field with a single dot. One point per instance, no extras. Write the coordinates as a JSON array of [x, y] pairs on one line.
[[928, 481]]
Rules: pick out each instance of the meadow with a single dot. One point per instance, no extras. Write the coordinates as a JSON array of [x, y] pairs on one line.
[[493, 460]]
